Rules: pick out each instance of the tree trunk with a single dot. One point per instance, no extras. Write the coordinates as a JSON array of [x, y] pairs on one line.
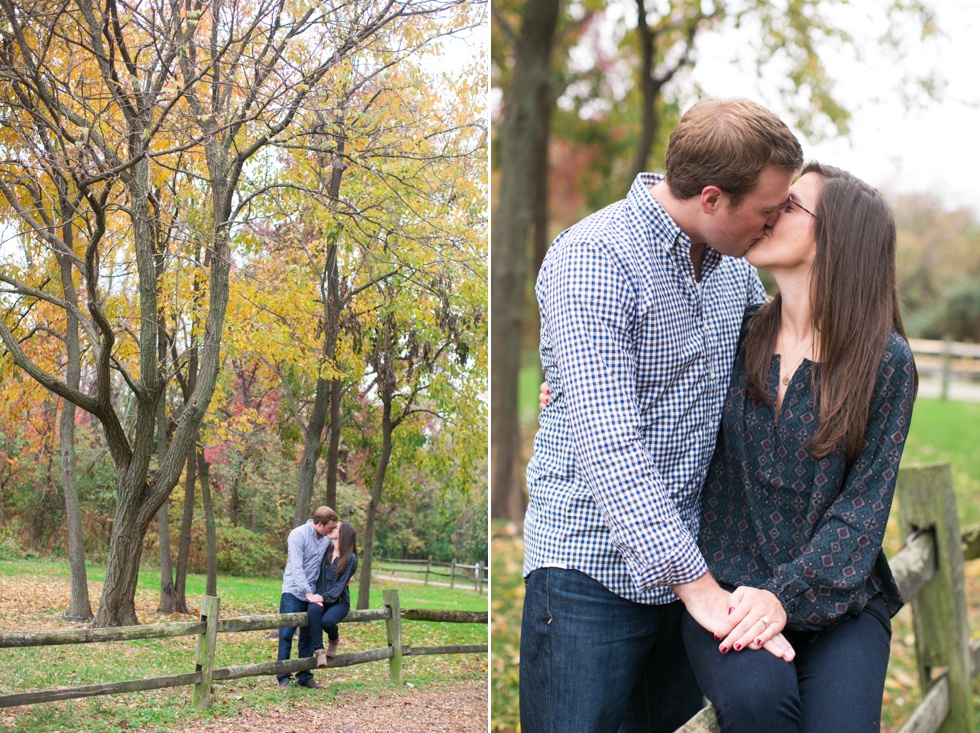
[[523, 135], [204, 471], [539, 205], [312, 442], [328, 393], [186, 526], [117, 606], [79, 607], [333, 451], [190, 480], [168, 601], [364, 587], [233, 501], [649, 89]]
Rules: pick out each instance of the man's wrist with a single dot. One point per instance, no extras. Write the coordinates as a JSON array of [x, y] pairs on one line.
[[696, 589]]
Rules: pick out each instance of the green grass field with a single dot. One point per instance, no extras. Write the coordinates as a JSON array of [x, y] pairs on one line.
[[940, 431], [950, 432], [34, 594]]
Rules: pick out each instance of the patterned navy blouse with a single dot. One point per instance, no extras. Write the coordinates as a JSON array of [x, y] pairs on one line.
[[807, 529], [333, 585]]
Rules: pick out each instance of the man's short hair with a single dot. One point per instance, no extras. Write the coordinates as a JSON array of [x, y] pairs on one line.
[[727, 143], [324, 515]]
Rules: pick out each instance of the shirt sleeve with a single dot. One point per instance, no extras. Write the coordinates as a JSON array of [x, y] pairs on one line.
[[829, 577], [294, 560], [589, 308]]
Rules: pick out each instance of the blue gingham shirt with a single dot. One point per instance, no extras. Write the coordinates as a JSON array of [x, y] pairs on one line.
[[306, 550], [637, 354]]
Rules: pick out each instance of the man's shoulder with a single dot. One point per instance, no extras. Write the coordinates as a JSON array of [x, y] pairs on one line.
[[614, 234]]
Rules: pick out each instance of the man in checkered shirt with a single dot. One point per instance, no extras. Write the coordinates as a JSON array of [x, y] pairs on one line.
[[641, 305]]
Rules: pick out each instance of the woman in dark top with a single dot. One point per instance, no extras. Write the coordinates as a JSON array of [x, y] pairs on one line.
[[801, 483], [332, 600]]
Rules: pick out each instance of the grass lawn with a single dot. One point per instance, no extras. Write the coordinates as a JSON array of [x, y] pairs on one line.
[[940, 431], [34, 594]]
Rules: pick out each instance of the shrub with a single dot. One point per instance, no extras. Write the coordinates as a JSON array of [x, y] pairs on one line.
[[244, 552]]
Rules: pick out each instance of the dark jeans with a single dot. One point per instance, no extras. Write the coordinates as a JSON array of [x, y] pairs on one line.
[[326, 619], [835, 683], [592, 661], [288, 603]]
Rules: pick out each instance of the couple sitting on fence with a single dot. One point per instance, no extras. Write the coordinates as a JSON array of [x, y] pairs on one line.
[[773, 574], [320, 564]]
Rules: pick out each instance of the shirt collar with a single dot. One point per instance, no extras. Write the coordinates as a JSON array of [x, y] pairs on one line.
[[666, 232]]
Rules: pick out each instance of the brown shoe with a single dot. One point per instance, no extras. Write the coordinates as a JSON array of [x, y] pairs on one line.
[[332, 648], [310, 685], [321, 658]]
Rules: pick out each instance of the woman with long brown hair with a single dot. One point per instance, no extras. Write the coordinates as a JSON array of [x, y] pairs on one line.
[[801, 483], [332, 600]]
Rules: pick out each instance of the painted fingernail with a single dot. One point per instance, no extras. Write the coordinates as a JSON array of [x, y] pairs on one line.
[[758, 641], [738, 647], [723, 649], [717, 638], [730, 609]]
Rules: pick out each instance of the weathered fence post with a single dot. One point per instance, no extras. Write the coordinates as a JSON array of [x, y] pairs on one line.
[[393, 627], [452, 574], [926, 503], [947, 367], [428, 567], [478, 572], [205, 652]]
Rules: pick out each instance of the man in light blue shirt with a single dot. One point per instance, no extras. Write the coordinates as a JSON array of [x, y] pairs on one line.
[[640, 305], [307, 545]]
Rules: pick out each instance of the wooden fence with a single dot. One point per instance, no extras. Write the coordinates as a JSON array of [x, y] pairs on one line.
[[476, 574], [948, 360], [207, 630], [929, 572]]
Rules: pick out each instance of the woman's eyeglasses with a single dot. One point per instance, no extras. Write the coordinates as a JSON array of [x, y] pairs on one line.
[[790, 201]]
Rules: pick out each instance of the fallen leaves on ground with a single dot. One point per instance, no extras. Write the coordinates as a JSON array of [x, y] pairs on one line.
[[461, 708]]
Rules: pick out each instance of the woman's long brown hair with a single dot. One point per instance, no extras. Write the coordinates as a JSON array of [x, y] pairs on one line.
[[346, 544], [854, 304]]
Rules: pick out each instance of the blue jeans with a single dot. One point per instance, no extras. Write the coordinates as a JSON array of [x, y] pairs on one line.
[[326, 619], [288, 603], [835, 683], [592, 661]]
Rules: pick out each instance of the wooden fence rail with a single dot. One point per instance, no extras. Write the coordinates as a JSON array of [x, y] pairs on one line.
[[948, 360], [478, 573], [929, 573], [207, 630]]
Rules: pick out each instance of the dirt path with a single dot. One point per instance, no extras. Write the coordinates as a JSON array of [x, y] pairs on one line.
[[458, 709]]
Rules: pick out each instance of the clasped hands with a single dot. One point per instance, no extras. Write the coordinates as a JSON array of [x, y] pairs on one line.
[[314, 598], [748, 618]]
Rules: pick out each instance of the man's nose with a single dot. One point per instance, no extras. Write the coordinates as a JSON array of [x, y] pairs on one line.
[[771, 221]]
